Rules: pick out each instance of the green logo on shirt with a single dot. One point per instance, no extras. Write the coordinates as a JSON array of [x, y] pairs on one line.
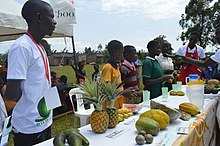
[[42, 110]]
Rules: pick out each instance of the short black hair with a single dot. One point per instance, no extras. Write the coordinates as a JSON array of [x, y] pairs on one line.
[[81, 63], [32, 7], [63, 78], [195, 33], [128, 49], [96, 65], [53, 73], [113, 45], [151, 44]]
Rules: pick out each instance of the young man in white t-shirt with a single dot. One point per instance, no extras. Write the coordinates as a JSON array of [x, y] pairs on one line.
[[29, 76], [212, 60], [190, 50]]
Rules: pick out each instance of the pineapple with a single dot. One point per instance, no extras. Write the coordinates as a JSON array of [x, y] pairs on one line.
[[99, 119], [111, 90]]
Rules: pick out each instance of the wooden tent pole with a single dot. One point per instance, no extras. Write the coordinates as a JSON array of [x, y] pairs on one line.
[[75, 64]]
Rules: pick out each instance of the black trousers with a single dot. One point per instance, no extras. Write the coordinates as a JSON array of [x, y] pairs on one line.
[[21, 139]]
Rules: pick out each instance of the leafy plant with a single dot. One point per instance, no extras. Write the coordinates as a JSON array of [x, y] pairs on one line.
[[112, 91], [91, 93]]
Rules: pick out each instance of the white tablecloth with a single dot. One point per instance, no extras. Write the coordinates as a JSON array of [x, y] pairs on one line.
[[127, 137]]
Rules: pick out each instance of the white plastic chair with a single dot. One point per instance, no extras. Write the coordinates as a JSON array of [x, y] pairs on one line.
[[81, 112]]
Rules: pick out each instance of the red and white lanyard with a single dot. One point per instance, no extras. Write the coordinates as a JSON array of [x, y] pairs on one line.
[[44, 57]]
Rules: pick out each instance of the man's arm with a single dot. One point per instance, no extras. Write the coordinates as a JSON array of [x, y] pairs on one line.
[[13, 90], [199, 63], [149, 82]]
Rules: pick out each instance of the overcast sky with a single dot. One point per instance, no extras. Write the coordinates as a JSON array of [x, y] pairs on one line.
[[132, 22]]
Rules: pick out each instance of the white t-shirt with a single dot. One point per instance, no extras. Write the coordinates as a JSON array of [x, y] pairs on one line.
[[182, 51], [165, 62], [216, 58], [25, 62]]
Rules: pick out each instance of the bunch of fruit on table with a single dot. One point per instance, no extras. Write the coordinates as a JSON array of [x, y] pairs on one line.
[[178, 93], [124, 113], [159, 117], [149, 124], [143, 138], [73, 137], [96, 93], [212, 86]]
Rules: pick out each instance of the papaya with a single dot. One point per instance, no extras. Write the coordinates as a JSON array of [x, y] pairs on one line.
[[158, 115], [74, 140], [180, 93], [59, 140], [148, 125], [173, 113], [189, 108], [173, 93], [70, 131]]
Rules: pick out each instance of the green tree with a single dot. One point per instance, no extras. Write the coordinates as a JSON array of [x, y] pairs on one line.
[[160, 38], [99, 48], [200, 16], [105, 54]]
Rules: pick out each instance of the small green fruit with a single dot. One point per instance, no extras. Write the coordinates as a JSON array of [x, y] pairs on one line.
[[140, 140], [149, 138], [142, 133]]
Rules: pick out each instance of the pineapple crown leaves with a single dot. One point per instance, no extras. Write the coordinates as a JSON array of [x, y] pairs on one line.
[[91, 93], [111, 90]]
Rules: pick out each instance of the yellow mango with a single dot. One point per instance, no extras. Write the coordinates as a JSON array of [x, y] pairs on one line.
[[158, 115]]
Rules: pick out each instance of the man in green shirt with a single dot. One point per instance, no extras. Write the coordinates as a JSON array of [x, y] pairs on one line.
[[152, 72]]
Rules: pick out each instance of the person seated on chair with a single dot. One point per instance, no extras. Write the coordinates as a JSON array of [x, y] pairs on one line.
[[64, 88], [54, 80]]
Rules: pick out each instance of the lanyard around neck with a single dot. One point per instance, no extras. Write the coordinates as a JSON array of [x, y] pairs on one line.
[[43, 55]]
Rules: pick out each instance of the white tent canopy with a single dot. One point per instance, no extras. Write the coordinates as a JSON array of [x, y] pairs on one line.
[[13, 25]]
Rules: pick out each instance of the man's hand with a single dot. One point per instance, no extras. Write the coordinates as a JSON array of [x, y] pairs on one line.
[[167, 77], [130, 93], [179, 57]]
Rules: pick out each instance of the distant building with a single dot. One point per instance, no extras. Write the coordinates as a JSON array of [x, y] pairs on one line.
[[98, 58], [60, 58]]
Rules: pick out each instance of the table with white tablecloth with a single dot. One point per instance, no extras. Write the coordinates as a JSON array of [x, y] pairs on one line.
[[126, 131]]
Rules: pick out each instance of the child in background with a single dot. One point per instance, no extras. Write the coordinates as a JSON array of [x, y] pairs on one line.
[[110, 71], [80, 73], [129, 73], [54, 80], [138, 65], [96, 74]]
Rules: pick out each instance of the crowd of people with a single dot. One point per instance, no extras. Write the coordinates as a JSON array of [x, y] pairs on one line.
[[27, 75]]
